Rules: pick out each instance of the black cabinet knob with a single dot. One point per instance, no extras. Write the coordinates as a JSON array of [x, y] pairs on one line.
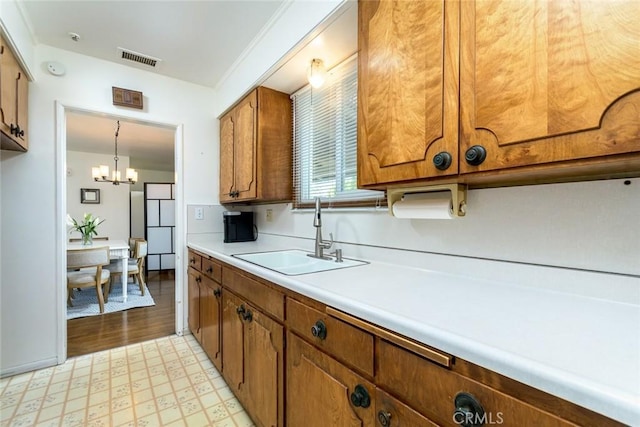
[[217, 292], [468, 411], [442, 160], [198, 279], [210, 270], [244, 313], [360, 397], [192, 260], [475, 155], [319, 330], [384, 418]]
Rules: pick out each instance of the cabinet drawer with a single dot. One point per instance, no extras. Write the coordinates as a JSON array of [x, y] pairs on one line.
[[195, 260], [391, 412], [212, 269], [264, 297], [431, 390], [341, 340]]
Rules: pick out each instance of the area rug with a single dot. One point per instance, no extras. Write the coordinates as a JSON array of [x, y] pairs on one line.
[[85, 302]]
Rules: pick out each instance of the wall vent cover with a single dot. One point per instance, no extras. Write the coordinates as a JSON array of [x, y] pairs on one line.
[[140, 58]]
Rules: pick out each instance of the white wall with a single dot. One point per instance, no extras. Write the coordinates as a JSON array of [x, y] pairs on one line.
[[28, 187], [114, 199], [147, 175]]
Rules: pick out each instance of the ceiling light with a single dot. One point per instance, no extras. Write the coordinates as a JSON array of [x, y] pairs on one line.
[[101, 173], [316, 73]]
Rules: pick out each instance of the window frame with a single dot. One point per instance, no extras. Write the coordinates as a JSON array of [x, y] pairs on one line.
[[303, 159]]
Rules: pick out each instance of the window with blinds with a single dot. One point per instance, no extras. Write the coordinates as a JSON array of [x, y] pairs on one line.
[[324, 141]]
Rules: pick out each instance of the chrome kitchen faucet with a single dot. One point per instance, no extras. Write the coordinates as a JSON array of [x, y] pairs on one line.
[[320, 245]]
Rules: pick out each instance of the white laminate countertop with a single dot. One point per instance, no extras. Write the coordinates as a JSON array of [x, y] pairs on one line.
[[583, 349]]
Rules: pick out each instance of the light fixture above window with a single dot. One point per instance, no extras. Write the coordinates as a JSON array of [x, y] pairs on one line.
[[101, 173], [316, 73]]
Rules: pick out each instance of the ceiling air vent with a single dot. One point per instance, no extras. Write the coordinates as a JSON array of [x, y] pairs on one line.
[[140, 58]]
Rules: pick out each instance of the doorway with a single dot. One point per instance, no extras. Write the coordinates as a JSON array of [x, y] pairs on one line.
[[171, 285]]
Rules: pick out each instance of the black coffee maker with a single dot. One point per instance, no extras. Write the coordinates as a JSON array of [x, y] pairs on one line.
[[238, 226]]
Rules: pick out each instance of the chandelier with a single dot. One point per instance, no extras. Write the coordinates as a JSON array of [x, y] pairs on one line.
[[101, 173]]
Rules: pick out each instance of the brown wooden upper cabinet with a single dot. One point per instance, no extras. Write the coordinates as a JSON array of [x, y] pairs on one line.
[[545, 89], [14, 87], [255, 149], [407, 90]]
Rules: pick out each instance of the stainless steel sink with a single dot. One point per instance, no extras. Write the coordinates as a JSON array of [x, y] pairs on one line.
[[294, 261]]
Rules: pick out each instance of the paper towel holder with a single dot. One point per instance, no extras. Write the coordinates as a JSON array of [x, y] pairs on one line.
[[458, 195]]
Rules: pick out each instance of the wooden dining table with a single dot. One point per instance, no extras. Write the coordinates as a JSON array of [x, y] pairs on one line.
[[118, 249]]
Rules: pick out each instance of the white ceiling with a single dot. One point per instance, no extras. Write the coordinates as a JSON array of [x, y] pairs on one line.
[[197, 41]]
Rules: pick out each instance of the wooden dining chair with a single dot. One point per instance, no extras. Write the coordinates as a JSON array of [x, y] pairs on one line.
[[132, 244], [135, 267], [90, 273]]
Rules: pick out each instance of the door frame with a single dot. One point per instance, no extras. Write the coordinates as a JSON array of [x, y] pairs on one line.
[[61, 110]]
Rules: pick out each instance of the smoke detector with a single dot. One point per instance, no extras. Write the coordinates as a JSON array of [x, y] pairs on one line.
[[140, 58]]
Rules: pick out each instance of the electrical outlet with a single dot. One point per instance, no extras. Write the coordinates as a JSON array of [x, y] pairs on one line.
[[269, 215], [199, 213]]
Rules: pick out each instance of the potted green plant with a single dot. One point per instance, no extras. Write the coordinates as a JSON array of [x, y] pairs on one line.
[[87, 227]]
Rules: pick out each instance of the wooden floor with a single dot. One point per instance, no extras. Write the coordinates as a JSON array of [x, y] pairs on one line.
[[95, 333]]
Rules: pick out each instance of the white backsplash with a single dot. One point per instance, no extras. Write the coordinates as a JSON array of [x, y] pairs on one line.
[[590, 226]]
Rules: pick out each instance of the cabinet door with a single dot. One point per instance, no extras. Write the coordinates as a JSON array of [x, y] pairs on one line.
[[319, 390], [233, 344], [194, 279], [407, 89], [245, 139], [210, 303], [10, 74], [391, 412], [263, 365], [545, 81], [22, 111], [226, 157]]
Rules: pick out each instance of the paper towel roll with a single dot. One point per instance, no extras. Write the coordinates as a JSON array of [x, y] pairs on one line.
[[435, 205]]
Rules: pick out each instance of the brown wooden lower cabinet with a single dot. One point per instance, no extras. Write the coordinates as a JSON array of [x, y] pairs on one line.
[[253, 357], [322, 392], [232, 343], [210, 312], [341, 371], [193, 291], [264, 369]]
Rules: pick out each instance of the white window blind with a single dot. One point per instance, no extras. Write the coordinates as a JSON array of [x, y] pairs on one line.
[[325, 137]]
